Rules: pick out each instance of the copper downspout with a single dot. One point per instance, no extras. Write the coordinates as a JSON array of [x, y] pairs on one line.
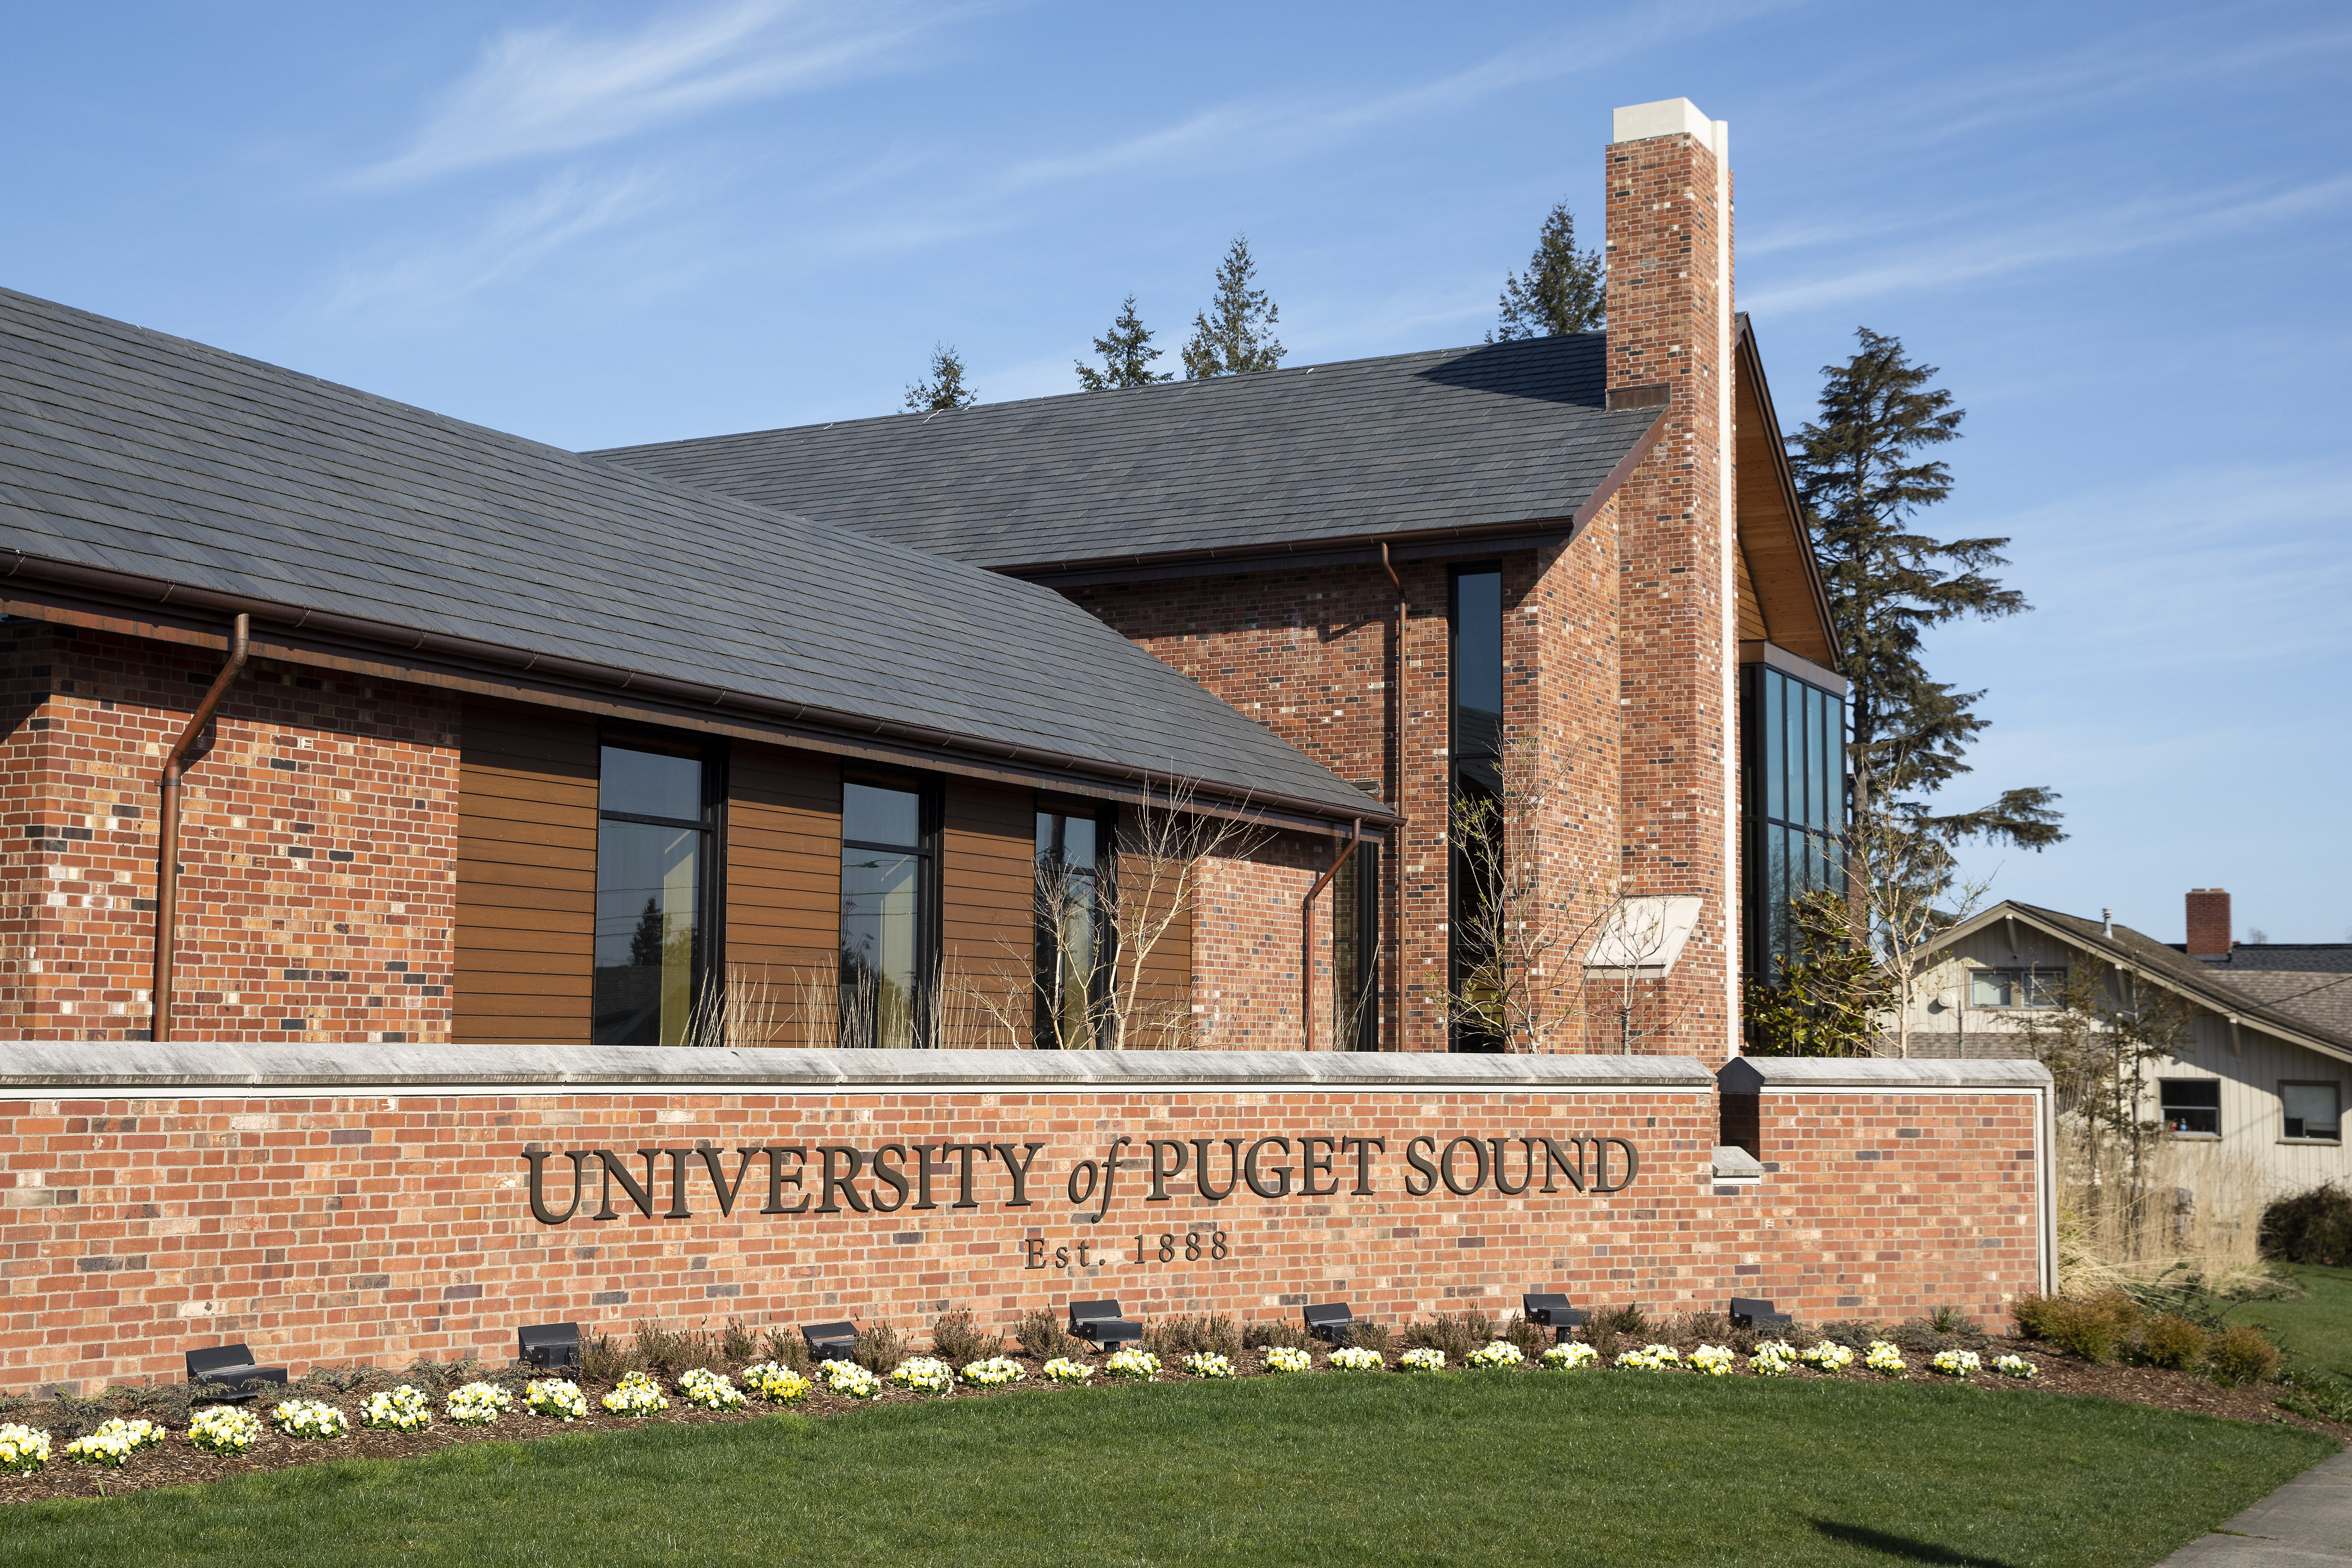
[[1306, 939], [167, 869]]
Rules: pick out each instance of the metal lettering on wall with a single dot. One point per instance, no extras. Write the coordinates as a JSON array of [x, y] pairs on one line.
[[825, 1178]]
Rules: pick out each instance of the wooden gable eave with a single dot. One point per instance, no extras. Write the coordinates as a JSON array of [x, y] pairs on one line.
[[1783, 577]]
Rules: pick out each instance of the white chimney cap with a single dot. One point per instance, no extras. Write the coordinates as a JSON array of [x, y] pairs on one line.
[[1671, 117]]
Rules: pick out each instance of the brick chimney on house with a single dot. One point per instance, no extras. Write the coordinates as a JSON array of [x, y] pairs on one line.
[[1669, 326], [2209, 922]]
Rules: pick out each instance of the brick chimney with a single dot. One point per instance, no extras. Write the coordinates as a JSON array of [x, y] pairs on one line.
[[1669, 324], [2209, 922]]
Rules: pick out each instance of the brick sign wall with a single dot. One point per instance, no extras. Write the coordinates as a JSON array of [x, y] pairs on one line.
[[381, 1205]]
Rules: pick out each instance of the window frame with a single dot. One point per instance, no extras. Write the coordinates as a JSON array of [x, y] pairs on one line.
[[2164, 1111], [2025, 981], [1045, 951], [2334, 1083], [710, 894], [1790, 843], [1459, 777], [1365, 867], [930, 794]]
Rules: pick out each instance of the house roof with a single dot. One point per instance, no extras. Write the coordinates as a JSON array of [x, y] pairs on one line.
[[1497, 439], [127, 457], [2166, 963]]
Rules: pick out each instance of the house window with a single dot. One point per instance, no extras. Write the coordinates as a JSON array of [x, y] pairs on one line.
[[889, 912], [1073, 937], [1476, 662], [1355, 917], [2190, 1104], [2312, 1111], [1793, 807], [2016, 987], [656, 814]]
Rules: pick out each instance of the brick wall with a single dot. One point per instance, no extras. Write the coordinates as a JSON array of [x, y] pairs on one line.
[[320, 1223], [316, 846]]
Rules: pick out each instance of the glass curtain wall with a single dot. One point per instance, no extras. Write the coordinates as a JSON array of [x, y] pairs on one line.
[[889, 894], [1795, 821], [652, 853], [1074, 937], [1476, 665]]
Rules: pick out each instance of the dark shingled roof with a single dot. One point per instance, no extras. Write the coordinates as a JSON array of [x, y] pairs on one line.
[[129, 451], [1455, 439]]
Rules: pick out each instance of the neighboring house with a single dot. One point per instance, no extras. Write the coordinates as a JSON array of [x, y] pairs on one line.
[[2265, 1064]]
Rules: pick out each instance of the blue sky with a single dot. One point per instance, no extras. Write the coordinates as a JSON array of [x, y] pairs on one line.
[[2121, 230]]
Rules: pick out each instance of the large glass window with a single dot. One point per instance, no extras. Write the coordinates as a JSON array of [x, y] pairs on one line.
[[2190, 1104], [1355, 916], [653, 850], [1793, 817], [2312, 1111], [1073, 939], [1477, 830], [889, 924]]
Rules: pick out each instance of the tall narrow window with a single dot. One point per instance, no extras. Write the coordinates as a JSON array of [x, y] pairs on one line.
[[1355, 952], [1477, 830], [1074, 946], [652, 853], [889, 894], [1793, 806]]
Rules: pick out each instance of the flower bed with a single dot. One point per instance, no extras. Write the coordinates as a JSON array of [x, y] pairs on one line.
[[401, 1409], [1773, 1358], [1714, 1360], [1356, 1358], [23, 1450], [557, 1398], [849, 1380], [2015, 1366], [1208, 1364], [1884, 1357], [1652, 1358], [1828, 1356], [710, 1390], [635, 1395], [1961, 1364], [219, 1429], [924, 1373], [1428, 1358], [115, 1442], [776, 1384], [994, 1373], [1570, 1357], [1287, 1359], [1135, 1365], [311, 1418], [478, 1404], [1062, 1370], [1496, 1356]]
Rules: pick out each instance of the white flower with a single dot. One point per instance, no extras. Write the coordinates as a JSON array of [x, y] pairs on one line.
[[218, 1429], [2015, 1366], [1137, 1364], [23, 1448], [1356, 1358], [557, 1398], [401, 1409], [849, 1379], [1571, 1356], [1885, 1357], [1957, 1362], [478, 1404], [1062, 1369], [310, 1418], [1496, 1356], [1208, 1364], [1285, 1358], [994, 1373], [1428, 1358], [1714, 1360], [711, 1390], [1773, 1358], [637, 1394], [926, 1373], [1652, 1358], [1828, 1356], [776, 1384], [113, 1443]]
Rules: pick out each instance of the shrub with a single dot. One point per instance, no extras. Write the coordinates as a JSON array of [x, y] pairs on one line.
[[1951, 1319], [1611, 1328], [1042, 1335], [785, 1347], [604, 1361], [1202, 1334], [2243, 1355], [2091, 1328], [1370, 1336], [738, 1342], [2034, 1314], [1528, 1339], [880, 1347], [959, 1343], [666, 1354], [1456, 1336], [2173, 1341], [1269, 1333], [2312, 1227]]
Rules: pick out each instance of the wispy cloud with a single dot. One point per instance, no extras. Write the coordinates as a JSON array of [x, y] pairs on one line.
[[541, 91], [2136, 226], [518, 236]]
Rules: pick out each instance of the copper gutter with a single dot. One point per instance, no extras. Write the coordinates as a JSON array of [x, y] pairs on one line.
[[167, 869], [1306, 941]]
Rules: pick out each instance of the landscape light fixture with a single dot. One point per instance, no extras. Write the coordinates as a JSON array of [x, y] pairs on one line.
[[233, 1364], [1753, 1313], [549, 1346], [1552, 1312], [1100, 1322], [1331, 1321], [831, 1341]]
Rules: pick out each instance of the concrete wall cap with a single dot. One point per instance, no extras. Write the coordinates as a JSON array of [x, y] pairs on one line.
[[1732, 1161], [1755, 1075], [65, 1066]]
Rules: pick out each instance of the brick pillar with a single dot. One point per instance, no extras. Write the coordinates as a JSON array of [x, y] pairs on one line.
[[1669, 254], [2209, 922]]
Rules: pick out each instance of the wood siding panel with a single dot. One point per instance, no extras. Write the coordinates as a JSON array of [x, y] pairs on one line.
[[1751, 613], [784, 889], [526, 876], [987, 917], [1772, 543]]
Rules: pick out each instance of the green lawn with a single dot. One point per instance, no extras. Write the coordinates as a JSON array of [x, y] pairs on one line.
[[2315, 1330], [1614, 1469]]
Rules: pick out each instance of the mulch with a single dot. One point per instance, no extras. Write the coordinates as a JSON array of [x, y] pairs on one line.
[[174, 1463]]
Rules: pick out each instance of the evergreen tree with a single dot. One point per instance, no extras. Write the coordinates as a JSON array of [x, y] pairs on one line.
[[945, 389], [1235, 335], [646, 941], [1560, 291], [1862, 476], [1127, 355]]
